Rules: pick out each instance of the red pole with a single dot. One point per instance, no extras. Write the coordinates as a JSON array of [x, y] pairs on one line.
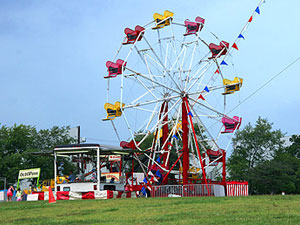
[[120, 167], [166, 176], [185, 147], [224, 167], [198, 149], [165, 135], [203, 156], [132, 167]]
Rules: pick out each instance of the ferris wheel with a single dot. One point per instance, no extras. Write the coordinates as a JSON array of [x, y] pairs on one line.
[[171, 91]]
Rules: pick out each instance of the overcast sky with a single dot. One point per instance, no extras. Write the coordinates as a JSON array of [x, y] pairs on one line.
[[53, 54]]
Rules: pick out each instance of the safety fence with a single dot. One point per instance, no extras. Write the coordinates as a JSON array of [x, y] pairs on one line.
[[237, 188], [189, 190]]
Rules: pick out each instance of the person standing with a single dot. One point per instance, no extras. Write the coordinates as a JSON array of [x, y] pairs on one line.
[[71, 177], [10, 192], [19, 195]]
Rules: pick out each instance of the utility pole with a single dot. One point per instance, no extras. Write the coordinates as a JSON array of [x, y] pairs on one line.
[[78, 134]]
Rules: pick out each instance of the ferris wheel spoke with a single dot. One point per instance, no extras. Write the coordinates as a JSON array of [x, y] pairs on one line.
[[166, 55], [190, 66], [160, 62], [161, 119], [205, 106], [150, 91], [146, 110], [154, 81], [203, 70], [151, 117], [139, 98], [150, 102], [144, 61], [173, 130], [173, 133], [157, 63], [159, 42], [201, 124], [177, 62], [177, 58]]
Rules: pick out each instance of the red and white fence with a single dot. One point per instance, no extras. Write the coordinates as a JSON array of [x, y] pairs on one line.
[[189, 190], [233, 188], [237, 188], [69, 195]]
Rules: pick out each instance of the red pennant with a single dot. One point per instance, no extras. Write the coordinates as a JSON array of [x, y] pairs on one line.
[[235, 46], [217, 71], [201, 96], [250, 20], [169, 143]]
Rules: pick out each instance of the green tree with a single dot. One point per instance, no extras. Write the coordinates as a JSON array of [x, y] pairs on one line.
[[276, 175], [294, 148], [17, 143], [253, 146]]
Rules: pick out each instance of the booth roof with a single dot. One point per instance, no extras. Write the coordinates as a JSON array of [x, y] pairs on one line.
[[76, 148], [104, 149]]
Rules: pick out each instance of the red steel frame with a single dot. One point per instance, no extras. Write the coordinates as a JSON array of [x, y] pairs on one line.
[[186, 121]]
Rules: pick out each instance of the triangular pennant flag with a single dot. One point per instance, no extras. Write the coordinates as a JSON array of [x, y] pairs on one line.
[[190, 114], [174, 136], [235, 46], [158, 174], [206, 89], [217, 71], [143, 190], [250, 20], [241, 36], [153, 179], [257, 10], [201, 96], [224, 63], [158, 160]]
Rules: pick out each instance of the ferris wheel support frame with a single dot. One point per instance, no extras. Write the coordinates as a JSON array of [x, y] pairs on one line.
[[185, 147]]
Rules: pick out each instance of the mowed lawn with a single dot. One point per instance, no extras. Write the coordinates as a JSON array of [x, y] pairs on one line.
[[204, 210]]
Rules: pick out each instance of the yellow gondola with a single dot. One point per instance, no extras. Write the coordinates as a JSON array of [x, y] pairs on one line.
[[162, 20], [232, 86], [113, 111]]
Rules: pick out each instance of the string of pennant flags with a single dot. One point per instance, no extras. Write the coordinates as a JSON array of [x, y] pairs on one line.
[[241, 34], [233, 46]]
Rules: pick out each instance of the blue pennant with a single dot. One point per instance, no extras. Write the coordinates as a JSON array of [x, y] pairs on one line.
[[206, 89], [190, 114], [224, 63], [174, 136], [158, 160], [158, 173], [145, 180], [257, 10], [143, 190], [241, 36]]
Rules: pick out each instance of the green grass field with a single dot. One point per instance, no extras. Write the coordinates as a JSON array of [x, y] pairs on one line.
[[204, 210]]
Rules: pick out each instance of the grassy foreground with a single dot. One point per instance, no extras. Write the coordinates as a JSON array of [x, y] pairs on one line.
[[205, 210]]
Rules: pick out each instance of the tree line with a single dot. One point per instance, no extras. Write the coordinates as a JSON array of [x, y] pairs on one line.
[[260, 157], [24, 147]]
